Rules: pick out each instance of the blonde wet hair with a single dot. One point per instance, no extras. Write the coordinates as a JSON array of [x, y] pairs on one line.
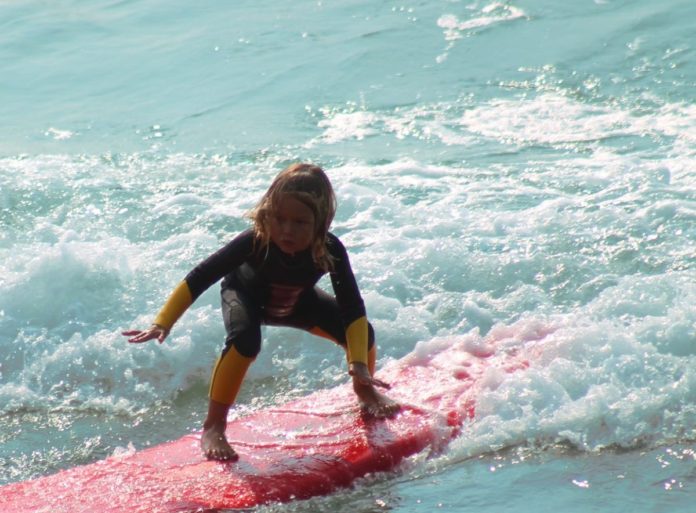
[[308, 184]]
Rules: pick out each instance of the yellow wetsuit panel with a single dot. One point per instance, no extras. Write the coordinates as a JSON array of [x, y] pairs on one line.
[[228, 375], [356, 337], [176, 305]]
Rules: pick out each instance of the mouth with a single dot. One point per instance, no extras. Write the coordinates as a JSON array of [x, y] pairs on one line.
[[286, 245]]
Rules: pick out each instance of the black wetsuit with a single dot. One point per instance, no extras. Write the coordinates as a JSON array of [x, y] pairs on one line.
[[263, 285]]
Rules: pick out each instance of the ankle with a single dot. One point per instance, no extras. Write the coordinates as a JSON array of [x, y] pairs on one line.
[[217, 416], [214, 424]]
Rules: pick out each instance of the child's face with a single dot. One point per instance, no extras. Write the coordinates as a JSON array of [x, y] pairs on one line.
[[292, 225]]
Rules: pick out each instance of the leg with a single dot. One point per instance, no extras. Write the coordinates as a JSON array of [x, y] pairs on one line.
[[213, 441], [242, 345], [225, 383]]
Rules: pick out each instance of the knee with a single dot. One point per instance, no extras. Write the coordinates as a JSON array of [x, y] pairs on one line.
[[247, 343]]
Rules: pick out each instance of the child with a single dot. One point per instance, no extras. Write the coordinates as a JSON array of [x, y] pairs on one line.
[[269, 273]]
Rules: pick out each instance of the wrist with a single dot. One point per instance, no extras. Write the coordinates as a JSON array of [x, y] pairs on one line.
[[357, 368]]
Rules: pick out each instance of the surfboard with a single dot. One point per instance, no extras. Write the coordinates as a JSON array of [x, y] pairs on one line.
[[304, 448]]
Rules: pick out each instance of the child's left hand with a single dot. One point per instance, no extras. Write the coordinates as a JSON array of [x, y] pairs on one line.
[[361, 373]]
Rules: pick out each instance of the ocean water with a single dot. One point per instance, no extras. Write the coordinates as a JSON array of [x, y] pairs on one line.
[[498, 165]]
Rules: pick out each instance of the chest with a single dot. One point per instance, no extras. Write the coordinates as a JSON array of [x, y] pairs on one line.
[[275, 267]]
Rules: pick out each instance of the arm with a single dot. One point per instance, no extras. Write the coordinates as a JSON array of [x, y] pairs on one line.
[[356, 336], [175, 306], [196, 282], [350, 302], [353, 312]]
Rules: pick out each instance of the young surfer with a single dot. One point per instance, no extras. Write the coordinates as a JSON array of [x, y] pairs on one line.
[[269, 275]]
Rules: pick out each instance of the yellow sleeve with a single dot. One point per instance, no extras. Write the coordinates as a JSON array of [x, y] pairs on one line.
[[176, 305], [356, 336]]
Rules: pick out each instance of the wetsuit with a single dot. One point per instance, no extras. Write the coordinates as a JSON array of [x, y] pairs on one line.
[[263, 285]]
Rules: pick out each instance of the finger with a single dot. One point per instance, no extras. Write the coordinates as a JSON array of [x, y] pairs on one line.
[[130, 333], [143, 337], [381, 384], [369, 380]]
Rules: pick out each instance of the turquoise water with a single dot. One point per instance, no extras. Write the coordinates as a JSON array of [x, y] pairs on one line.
[[496, 163]]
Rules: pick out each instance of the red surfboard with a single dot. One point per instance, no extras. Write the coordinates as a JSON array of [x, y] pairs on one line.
[[307, 447]]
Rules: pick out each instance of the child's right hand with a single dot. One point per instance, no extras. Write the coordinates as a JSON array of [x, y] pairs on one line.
[[153, 332]]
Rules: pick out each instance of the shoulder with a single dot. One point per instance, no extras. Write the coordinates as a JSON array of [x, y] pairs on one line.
[[245, 237], [337, 250], [334, 244]]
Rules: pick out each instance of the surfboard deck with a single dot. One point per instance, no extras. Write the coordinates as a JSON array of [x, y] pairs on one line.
[[307, 447]]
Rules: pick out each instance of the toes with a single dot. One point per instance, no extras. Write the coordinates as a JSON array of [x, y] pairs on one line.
[[222, 454], [387, 411], [384, 411]]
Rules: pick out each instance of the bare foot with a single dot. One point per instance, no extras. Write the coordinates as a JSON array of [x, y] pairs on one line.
[[374, 403], [215, 445]]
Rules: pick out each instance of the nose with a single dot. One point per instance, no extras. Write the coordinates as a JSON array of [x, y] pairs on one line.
[[286, 227]]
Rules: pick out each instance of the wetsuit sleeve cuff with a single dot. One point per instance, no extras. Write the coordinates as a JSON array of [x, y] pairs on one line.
[[176, 305], [356, 336]]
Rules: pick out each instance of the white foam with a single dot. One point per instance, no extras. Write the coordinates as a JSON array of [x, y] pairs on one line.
[[59, 135], [594, 383], [548, 117], [344, 125], [494, 13]]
